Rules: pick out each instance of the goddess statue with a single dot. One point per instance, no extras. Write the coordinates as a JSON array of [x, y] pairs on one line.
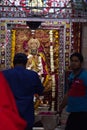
[[37, 62]]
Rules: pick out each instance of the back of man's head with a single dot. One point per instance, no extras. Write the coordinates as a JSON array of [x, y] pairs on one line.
[[20, 58]]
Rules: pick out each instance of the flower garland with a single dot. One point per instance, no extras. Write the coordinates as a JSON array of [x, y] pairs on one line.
[[13, 47]]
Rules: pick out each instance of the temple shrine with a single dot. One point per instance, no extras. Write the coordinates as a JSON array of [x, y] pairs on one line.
[[56, 28]]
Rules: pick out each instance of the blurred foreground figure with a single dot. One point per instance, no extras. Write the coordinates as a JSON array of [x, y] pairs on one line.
[[24, 84]]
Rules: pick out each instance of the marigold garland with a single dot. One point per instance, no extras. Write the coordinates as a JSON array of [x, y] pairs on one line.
[[13, 47]]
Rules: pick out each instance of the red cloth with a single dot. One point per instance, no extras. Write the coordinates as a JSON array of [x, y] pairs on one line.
[[77, 88], [9, 116]]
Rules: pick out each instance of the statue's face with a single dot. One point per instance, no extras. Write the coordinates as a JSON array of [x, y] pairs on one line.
[[33, 48]]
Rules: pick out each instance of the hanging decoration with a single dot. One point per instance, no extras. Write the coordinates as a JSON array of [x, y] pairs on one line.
[[33, 25], [76, 37], [36, 8]]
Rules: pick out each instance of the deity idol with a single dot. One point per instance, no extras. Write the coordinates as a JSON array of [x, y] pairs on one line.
[[37, 62]]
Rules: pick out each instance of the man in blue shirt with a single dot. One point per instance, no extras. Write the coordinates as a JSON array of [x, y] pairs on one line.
[[24, 84]]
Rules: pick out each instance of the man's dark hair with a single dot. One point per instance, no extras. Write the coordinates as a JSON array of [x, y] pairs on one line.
[[20, 58], [79, 55]]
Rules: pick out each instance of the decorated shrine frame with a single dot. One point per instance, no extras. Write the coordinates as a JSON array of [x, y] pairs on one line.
[[61, 32], [55, 62]]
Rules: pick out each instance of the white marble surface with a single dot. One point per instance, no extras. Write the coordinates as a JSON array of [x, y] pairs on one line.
[[49, 121]]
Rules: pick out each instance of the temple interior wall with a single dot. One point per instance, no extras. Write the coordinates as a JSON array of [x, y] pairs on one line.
[[84, 44]]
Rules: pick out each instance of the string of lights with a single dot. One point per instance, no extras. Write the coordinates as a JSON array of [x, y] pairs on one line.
[[72, 10]]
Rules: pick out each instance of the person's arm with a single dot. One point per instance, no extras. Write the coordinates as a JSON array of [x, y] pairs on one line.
[[64, 102]]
